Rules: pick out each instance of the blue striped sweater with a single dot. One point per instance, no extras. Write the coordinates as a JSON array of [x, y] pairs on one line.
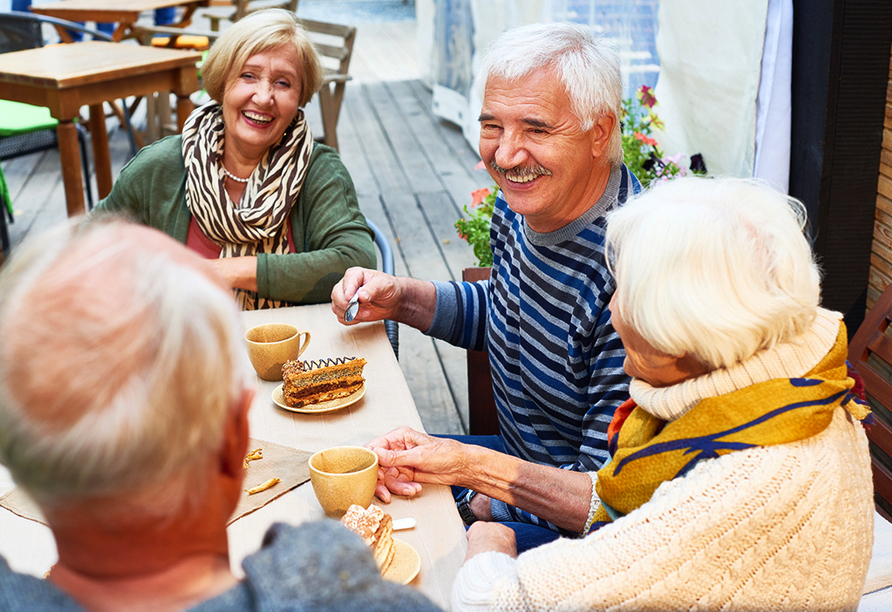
[[543, 316]]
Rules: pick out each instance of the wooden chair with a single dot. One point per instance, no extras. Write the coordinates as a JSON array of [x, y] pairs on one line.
[[483, 419], [870, 354], [236, 9], [334, 43]]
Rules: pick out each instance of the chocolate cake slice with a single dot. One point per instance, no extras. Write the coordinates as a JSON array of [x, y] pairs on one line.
[[310, 382]]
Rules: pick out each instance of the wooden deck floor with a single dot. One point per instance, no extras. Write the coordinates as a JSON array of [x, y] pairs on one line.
[[412, 171]]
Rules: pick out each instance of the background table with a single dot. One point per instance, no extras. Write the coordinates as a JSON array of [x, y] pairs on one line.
[[66, 77], [123, 12], [439, 536]]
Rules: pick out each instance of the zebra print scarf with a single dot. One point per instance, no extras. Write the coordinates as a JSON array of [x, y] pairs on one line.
[[257, 223]]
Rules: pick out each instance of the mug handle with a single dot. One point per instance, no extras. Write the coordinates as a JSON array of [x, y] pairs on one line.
[[302, 344]]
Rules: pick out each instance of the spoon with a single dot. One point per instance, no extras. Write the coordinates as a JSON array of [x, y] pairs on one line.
[[352, 307]]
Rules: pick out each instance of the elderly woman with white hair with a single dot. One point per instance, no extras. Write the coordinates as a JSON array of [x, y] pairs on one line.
[[740, 474], [245, 185]]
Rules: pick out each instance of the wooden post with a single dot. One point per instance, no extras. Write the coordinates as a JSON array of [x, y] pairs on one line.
[[483, 418]]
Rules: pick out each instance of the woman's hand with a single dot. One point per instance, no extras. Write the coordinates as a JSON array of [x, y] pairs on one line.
[[407, 458], [485, 537], [237, 272]]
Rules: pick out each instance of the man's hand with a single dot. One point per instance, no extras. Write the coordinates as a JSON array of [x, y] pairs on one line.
[[380, 295], [484, 537], [481, 506], [407, 458]]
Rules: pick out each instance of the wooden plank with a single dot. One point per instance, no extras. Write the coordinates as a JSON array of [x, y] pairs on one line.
[[880, 265], [878, 279], [884, 204], [884, 186], [419, 356], [873, 294]]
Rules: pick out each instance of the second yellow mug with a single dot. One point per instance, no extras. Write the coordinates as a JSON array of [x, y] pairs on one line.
[[271, 345]]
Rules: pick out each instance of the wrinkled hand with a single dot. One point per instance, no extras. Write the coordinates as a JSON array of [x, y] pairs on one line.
[[407, 458], [484, 537], [379, 295]]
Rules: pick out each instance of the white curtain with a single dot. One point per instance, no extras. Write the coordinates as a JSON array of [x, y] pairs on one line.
[[725, 91]]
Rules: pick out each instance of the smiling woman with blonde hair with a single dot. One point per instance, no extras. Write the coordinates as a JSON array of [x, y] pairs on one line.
[[739, 476], [245, 185]]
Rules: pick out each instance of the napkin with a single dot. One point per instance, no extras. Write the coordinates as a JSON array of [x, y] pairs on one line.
[[289, 465]]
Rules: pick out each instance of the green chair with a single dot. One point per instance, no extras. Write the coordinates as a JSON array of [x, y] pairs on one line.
[[26, 129]]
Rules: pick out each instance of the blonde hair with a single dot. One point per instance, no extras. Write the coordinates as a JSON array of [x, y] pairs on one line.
[[586, 64], [256, 33], [715, 268], [118, 367]]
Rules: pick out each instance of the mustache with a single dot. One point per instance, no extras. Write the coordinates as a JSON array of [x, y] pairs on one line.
[[522, 171]]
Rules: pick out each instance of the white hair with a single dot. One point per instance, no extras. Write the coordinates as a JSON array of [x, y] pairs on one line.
[[715, 268], [118, 368], [586, 64]]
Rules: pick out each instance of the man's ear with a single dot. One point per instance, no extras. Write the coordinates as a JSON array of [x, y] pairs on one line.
[[235, 436], [601, 132]]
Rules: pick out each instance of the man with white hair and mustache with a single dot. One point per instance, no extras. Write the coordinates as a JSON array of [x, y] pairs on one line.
[[551, 139]]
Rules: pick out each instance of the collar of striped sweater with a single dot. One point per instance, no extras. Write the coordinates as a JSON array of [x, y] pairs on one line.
[[786, 360]]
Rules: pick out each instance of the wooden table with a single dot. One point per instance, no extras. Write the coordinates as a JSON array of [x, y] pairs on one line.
[[123, 12], [66, 77], [439, 536]]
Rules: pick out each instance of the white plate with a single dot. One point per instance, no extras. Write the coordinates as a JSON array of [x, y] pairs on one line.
[[321, 407]]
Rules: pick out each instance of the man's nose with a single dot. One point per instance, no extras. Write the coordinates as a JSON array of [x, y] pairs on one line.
[[511, 151]]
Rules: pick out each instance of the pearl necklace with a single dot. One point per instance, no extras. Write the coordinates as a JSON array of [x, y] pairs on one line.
[[234, 177]]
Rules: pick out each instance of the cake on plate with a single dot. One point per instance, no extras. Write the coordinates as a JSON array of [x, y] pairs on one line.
[[310, 382], [375, 527]]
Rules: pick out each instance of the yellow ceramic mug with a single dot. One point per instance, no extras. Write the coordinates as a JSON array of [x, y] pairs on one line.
[[342, 476], [271, 345]]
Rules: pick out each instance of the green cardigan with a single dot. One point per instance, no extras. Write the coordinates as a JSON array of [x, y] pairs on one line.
[[330, 232]]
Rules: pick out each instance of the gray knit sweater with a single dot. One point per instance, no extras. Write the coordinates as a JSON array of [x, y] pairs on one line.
[[315, 567]]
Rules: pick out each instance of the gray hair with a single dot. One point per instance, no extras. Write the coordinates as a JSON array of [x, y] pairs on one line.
[[586, 64], [118, 367], [715, 268]]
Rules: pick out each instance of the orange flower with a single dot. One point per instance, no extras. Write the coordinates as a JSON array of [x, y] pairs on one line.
[[479, 195], [645, 139]]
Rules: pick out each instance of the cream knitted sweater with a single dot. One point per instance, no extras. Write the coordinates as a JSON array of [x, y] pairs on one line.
[[787, 527]]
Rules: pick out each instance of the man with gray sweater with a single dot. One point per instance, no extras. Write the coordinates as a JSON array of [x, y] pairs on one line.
[[123, 413]]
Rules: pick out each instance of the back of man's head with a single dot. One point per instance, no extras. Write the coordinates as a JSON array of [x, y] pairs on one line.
[[588, 65], [119, 362]]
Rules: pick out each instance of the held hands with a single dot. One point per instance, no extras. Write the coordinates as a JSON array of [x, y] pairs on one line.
[[379, 295], [407, 458], [485, 537]]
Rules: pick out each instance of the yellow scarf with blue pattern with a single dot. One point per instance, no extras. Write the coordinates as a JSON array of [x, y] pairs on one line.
[[650, 451]]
